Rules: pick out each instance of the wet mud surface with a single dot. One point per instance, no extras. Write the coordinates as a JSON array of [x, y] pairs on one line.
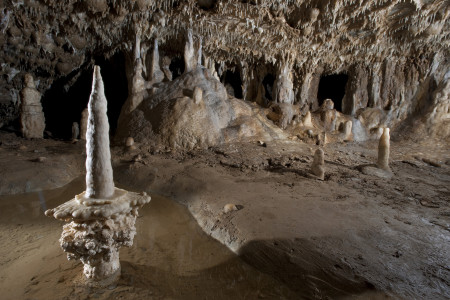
[[351, 236], [171, 257]]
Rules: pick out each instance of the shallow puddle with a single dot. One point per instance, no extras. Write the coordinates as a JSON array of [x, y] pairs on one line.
[[171, 256]]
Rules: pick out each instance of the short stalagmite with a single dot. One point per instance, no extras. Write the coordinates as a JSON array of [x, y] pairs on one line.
[[383, 150], [156, 75], [307, 120], [197, 95], [75, 131], [318, 165], [32, 120], [347, 131], [102, 218]]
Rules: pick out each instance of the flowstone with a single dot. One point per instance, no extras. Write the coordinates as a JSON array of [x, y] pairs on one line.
[[101, 219]]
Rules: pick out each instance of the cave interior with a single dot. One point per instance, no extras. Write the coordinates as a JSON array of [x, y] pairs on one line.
[[290, 149]]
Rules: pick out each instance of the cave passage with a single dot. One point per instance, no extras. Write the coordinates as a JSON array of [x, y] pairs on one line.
[[332, 87], [176, 66], [63, 105], [268, 82], [233, 79]]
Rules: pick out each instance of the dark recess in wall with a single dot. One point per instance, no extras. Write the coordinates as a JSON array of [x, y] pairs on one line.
[[176, 67], [233, 79], [268, 82], [63, 107], [332, 87]]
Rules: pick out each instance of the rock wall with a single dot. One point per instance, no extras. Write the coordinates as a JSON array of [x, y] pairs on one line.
[[392, 51]]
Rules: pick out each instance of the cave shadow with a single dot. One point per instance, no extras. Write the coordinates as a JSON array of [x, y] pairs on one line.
[[176, 67], [332, 87], [268, 82], [306, 271], [68, 96], [274, 268], [233, 78]]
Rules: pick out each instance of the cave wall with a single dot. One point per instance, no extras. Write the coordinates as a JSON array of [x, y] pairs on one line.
[[394, 52]]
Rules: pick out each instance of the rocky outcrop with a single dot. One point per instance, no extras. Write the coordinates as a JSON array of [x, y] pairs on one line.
[[391, 51], [192, 111]]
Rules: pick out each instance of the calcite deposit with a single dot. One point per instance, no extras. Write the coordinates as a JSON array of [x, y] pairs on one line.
[[101, 219], [383, 150], [394, 54], [32, 120], [318, 165]]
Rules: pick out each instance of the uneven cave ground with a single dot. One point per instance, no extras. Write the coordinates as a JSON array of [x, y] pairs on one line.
[[351, 236]]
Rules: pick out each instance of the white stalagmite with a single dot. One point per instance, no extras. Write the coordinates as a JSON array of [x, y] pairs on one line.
[[99, 175], [156, 75], [348, 131], [75, 131], [32, 120], [383, 150], [307, 121], [101, 219], [283, 86], [189, 53], [318, 165]]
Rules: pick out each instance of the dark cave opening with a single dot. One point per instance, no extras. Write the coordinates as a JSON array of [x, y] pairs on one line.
[[207, 4], [233, 78], [332, 87], [268, 82], [63, 105], [176, 66]]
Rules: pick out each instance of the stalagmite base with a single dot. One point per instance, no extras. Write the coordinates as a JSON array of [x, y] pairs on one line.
[[102, 218]]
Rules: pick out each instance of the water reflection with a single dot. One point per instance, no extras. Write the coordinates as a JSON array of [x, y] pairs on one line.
[[171, 256]]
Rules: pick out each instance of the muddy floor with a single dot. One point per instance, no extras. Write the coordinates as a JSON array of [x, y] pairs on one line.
[[349, 236]]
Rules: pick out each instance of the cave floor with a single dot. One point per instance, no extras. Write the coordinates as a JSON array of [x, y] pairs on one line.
[[349, 236]]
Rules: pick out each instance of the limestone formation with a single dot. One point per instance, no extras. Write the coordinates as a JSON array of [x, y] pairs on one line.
[[177, 119], [99, 175], [318, 165], [156, 75], [378, 46], [101, 219], [129, 142], [383, 150], [32, 120], [75, 131], [189, 53], [283, 87], [307, 122], [197, 95], [166, 68], [347, 131], [83, 123]]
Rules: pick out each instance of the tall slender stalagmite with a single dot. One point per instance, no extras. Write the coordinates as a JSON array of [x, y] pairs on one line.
[[99, 175], [102, 218], [189, 53]]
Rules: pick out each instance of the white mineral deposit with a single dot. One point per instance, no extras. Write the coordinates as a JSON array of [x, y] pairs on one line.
[[32, 120], [101, 219]]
